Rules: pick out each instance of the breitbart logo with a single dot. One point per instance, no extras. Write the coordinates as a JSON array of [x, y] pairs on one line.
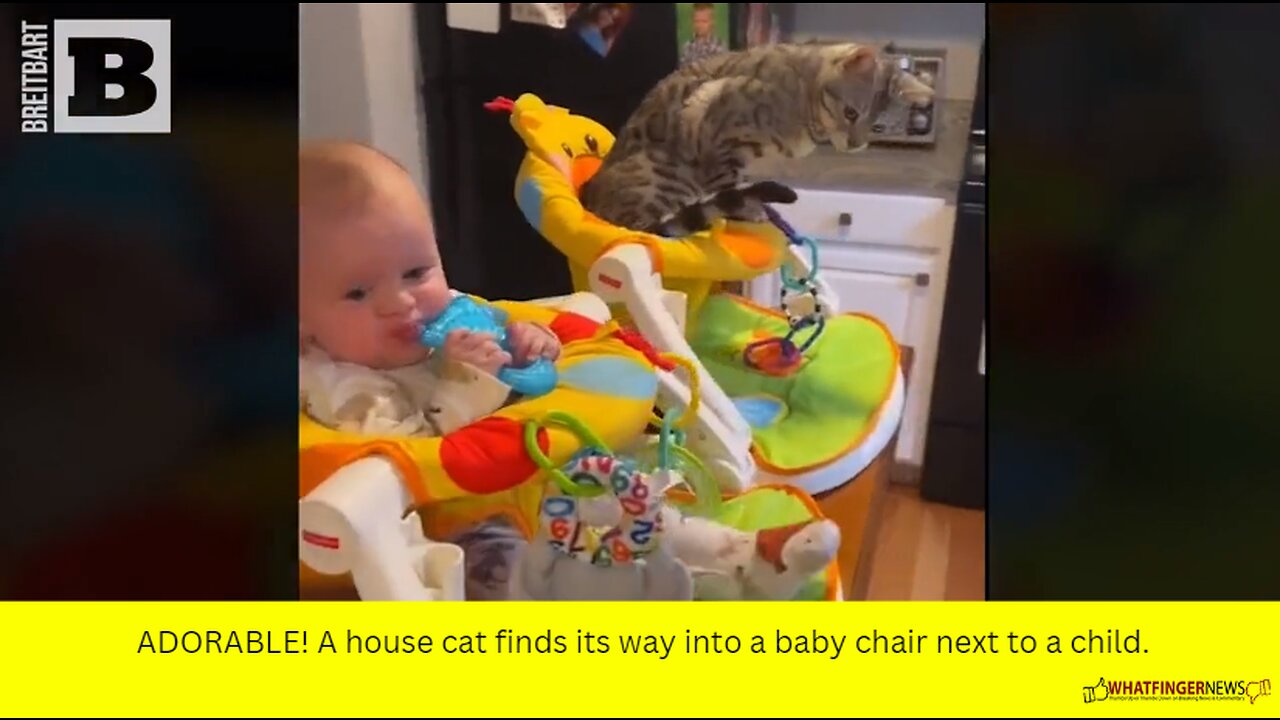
[[95, 76]]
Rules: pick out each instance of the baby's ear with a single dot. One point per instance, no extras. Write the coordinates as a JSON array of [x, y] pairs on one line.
[[861, 63]]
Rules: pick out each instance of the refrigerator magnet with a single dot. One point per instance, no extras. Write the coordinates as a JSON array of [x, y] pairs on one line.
[[476, 17], [599, 25], [761, 25], [546, 14], [702, 30]]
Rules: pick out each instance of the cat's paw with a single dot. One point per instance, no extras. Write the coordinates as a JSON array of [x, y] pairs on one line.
[[768, 191], [751, 210], [671, 229], [752, 201], [753, 206]]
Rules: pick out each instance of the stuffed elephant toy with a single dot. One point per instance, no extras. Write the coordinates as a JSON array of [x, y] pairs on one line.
[[544, 573], [731, 564]]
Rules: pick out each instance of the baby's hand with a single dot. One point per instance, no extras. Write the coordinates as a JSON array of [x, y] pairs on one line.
[[530, 341], [478, 349]]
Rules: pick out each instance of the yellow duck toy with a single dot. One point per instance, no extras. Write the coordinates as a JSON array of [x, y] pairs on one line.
[[565, 151]]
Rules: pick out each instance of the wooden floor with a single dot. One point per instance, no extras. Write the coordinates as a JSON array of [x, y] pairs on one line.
[[927, 551]]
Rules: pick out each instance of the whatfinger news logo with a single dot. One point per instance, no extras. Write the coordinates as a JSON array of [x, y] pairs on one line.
[[1177, 690], [95, 76]]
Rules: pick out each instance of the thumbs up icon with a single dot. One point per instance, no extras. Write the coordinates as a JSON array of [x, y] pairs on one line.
[[1096, 693]]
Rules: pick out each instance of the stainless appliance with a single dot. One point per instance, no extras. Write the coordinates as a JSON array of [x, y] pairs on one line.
[[900, 123], [955, 467]]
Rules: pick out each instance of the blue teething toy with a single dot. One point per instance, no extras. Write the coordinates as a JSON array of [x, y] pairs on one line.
[[464, 313]]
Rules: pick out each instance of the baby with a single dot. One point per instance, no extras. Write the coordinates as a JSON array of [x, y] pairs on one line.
[[370, 278]]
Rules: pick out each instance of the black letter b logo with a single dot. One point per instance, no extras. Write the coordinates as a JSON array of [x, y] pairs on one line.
[[94, 76], [111, 76]]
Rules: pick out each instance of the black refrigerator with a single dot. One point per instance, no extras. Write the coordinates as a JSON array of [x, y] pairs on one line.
[[473, 154], [955, 464]]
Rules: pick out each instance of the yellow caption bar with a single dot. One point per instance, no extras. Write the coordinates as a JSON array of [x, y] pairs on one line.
[[640, 659]]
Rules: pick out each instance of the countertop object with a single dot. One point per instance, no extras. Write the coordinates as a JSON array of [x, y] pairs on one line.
[[900, 169]]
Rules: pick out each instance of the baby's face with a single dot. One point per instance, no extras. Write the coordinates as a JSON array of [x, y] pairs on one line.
[[370, 282]]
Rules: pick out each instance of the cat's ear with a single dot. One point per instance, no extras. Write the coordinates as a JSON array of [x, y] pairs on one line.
[[861, 63]]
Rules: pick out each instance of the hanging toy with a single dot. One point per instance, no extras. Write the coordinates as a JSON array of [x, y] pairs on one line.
[[597, 488], [570, 558], [624, 494], [800, 303], [668, 459]]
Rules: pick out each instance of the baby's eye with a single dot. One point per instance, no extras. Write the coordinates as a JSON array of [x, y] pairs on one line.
[[357, 294], [850, 114], [417, 273]]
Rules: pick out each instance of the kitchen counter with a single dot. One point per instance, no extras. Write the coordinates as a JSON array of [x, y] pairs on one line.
[[933, 171]]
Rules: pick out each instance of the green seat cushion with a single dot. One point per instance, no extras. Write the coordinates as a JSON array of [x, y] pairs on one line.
[[819, 413]]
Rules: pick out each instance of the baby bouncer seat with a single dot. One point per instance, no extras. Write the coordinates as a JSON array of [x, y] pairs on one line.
[[373, 510], [807, 403]]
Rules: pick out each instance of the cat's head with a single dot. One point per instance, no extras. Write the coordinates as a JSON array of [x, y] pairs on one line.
[[857, 84]]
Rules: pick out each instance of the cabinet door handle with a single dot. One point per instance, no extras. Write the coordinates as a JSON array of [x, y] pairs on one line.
[[922, 279], [845, 220]]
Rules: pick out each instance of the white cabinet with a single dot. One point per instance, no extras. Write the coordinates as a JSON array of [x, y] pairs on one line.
[[885, 256], [887, 296]]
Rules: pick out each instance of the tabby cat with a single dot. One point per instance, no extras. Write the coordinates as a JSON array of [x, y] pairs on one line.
[[680, 160]]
